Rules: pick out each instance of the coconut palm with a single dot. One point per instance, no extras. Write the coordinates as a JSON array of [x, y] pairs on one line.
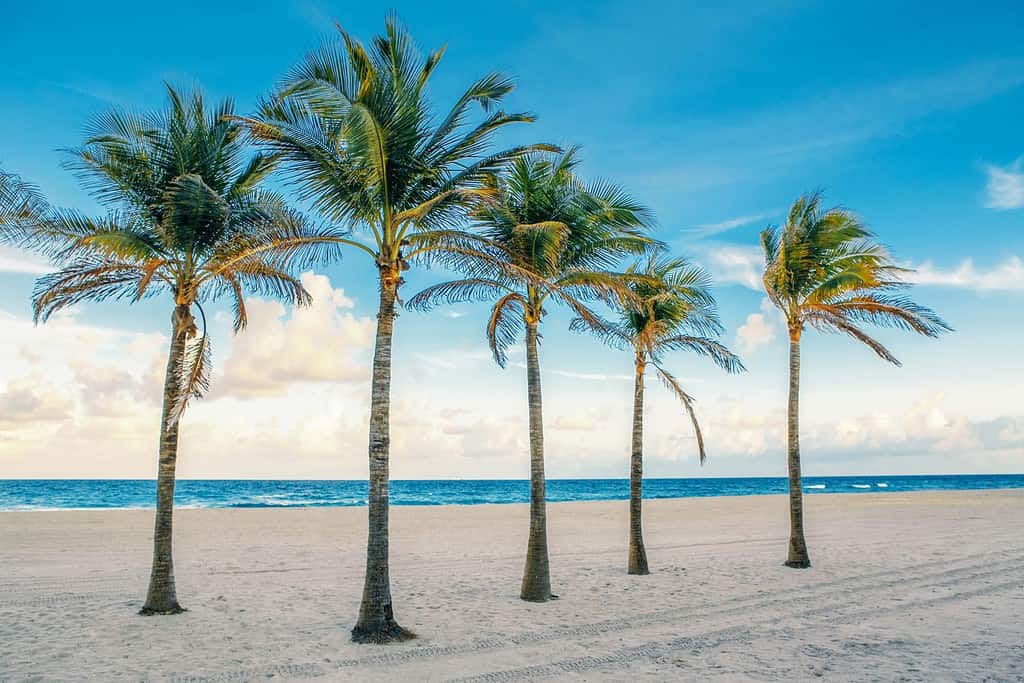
[[356, 128], [824, 268], [555, 239], [672, 310], [188, 221]]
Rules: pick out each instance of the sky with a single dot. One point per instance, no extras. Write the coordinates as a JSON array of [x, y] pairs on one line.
[[716, 115]]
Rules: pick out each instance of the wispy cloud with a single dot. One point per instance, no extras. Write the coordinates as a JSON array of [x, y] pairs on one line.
[[722, 151], [1005, 187], [585, 376], [1006, 276], [709, 229]]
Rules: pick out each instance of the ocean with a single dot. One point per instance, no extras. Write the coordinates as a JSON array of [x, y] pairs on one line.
[[122, 494]]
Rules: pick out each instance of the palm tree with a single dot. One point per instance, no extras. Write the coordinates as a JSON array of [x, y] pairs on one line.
[[20, 204], [555, 238], [825, 269], [355, 126], [672, 310], [188, 220]]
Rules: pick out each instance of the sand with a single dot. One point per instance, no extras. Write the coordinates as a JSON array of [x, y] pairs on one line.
[[905, 587]]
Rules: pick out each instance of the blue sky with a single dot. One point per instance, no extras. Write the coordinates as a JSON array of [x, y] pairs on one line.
[[717, 117]]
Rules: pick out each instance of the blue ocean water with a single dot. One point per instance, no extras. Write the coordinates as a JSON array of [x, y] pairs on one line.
[[72, 494]]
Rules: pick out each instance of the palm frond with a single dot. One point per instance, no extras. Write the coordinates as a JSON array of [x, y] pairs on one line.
[[672, 384], [702, 346], [192, 371], [454, 292], [88, 278], [505, 325]]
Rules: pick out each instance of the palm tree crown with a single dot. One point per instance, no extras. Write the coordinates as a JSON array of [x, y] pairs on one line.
[[188, 219], [824, 268], [356, 126], [549, 237]]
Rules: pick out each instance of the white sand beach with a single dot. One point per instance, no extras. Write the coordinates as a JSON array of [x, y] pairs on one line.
[[910, 587]]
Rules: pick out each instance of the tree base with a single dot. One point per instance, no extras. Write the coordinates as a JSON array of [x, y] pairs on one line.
[[388, 632], [538, 598], [798, 564], [151, 611], [637, 564]]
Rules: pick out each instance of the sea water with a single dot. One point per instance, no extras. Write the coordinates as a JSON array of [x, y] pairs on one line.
[[73, 494]]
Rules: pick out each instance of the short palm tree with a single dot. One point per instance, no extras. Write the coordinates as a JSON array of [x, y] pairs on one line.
[[825, 269], [555, 238], [672, 310], [190, 222], [355, 128]]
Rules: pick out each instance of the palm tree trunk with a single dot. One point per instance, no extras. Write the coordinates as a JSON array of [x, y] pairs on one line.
[[536, 576], [797, 545], [637, 552], [376, 618], [162, 598]]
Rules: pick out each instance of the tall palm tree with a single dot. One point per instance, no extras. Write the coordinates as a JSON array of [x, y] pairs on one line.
[[188, 221], [554, 239], [824, 268], [672, 310], [355, 126]]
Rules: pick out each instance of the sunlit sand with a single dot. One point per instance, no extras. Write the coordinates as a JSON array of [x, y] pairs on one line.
[[922, 587]]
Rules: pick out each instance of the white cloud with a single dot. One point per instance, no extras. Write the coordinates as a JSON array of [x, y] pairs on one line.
[[743, 427], [1007, 276], [1005, 187], [736, 264], [95, 412], [30, 400], [927, 426], [759, 329], [324, 342], [20, 261]]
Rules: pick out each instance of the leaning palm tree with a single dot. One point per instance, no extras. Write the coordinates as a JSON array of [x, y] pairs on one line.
[[825, 269], [555, 239], [671, 310], [188, 221], [355, 128]]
